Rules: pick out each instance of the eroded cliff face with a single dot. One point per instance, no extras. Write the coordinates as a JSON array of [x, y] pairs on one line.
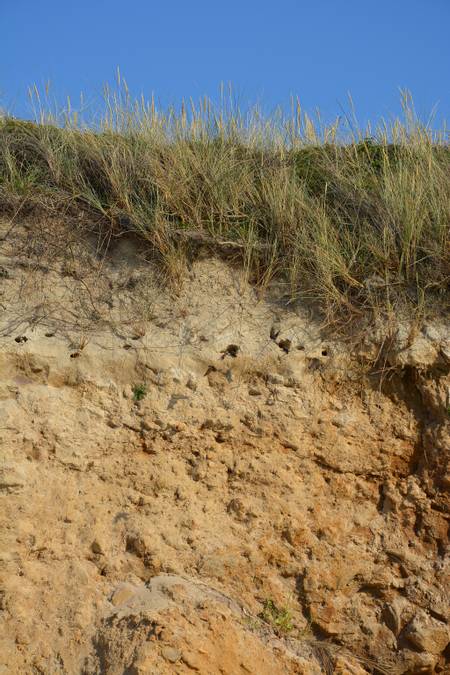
[[199, 482]]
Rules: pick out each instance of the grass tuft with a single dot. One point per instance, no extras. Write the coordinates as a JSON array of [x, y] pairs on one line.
[[279, 618], [139, 392], [356, 221]]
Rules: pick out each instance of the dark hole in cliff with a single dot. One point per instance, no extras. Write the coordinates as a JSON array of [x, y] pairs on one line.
[[274, 333], [285, 345], [231, 350]]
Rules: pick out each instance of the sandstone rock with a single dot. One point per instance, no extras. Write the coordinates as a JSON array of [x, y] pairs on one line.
[[192, 660], [417, 662], [421, 354], [427, 634], [344, 419], [343, 666], [122, 594], [145, 660], [171, 654]]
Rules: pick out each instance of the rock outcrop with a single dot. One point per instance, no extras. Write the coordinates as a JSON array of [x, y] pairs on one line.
[[200, 482]]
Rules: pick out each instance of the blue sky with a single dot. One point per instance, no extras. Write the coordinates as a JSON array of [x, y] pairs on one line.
[[319, 50]]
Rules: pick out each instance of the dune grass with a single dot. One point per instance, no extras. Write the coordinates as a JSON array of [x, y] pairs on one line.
[[358, 221]]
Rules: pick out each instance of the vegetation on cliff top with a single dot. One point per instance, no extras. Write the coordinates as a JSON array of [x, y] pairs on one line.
[[356, 220]]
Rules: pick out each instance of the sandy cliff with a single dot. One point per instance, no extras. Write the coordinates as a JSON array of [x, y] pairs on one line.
[[199, 481]]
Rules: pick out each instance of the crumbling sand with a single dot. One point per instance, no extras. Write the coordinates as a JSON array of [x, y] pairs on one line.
[[146, 536]]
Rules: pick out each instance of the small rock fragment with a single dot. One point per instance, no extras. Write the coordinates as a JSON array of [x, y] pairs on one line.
[[122, 594], [427, 634], [191, 383], [171, 654]]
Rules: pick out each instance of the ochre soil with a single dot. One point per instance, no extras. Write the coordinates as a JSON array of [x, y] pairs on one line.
[[196, 480]]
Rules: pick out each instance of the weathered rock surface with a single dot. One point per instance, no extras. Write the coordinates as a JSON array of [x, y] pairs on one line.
[[158, 488]]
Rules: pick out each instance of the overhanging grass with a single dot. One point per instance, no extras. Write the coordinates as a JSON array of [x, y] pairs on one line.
[[360, 226]]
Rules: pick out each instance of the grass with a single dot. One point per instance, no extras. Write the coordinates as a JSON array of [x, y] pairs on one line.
[[279, 618], [139, 392], [357, 221]]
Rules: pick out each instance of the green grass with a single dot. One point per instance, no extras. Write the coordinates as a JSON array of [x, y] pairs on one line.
[[355, 221], [139, 392], [279, 618]]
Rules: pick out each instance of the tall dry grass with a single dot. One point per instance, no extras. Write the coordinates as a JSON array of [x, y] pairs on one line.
[[356, 220]]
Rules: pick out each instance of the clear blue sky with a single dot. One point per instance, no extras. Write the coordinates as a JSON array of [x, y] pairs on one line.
[[318, 49]]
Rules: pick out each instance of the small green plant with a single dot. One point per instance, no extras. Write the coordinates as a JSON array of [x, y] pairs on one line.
[[280, 618], [139, 392]]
